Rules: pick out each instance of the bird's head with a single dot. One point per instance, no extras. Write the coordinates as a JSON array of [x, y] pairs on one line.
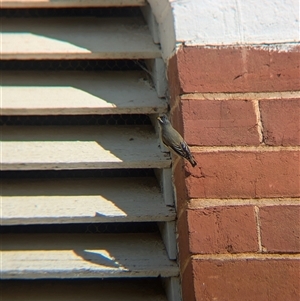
[[163, 120]]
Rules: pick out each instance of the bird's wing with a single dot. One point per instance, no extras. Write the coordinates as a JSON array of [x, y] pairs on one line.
[[185, 148], [182, 149]]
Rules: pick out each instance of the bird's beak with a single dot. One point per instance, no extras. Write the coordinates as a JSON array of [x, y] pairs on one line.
[[159, 119]]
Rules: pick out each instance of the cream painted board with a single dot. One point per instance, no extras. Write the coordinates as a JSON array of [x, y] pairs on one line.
[[76, 38], [80, 147], [37, 256], [168, 233], [83, 290], [52, 93], [46, 201], [69, 3]]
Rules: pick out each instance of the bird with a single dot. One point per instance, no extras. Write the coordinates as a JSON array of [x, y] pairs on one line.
[[173, 140]]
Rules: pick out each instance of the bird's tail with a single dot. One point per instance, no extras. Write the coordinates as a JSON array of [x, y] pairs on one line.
[[192, 161]]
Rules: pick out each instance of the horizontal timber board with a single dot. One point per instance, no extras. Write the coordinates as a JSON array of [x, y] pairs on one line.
[[53, 93], [38, 256], [69, 3], [80, 147], [76, 38], [45, 201], [83, 290]]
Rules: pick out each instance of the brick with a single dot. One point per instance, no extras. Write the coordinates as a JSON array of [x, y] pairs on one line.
[[219, 122], [223, 230], [281, 121], [244, 174], [183, 238], [238, 69], [179, 175], [280, 228], [187, 282], [247, 280], [176, 117], [173, 80]]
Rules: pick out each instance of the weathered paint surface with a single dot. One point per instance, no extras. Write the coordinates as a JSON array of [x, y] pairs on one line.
[[221, 22]]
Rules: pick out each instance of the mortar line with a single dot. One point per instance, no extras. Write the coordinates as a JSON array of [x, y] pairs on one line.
[[244, 148], [262, 202], [175, 105], [184, 265], [259, 123], [258, 230], [246, 256], [242, 96]]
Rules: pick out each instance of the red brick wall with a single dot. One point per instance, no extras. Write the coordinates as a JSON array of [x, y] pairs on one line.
[[238, 209]]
